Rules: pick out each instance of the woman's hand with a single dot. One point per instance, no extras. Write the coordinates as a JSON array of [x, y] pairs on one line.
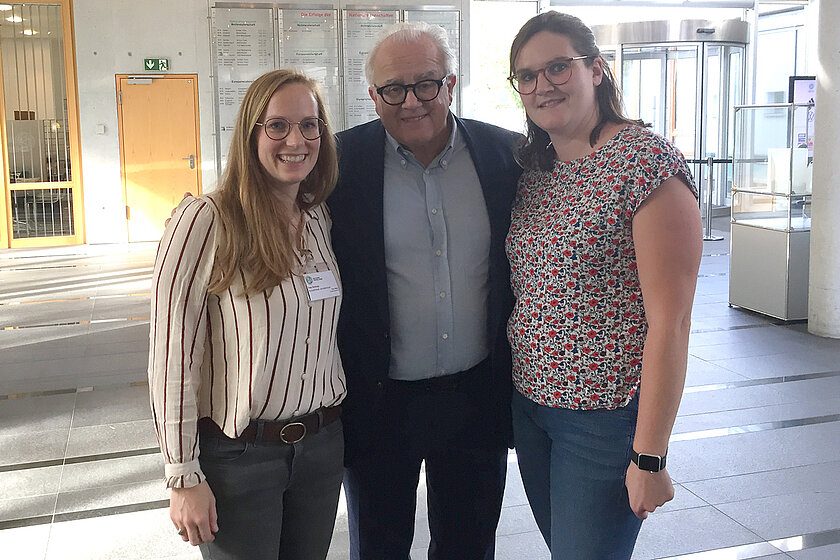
[[193, 511], [646, 490]]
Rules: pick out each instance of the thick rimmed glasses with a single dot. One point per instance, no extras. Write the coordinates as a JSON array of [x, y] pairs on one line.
[[556, 72], [424, 90], [310, 128]]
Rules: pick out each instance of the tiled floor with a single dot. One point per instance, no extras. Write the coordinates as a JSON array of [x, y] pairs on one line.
[[755, 454]]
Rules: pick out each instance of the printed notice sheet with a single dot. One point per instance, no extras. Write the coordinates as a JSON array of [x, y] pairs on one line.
[[360, 29], [309, 42], [243, 40]]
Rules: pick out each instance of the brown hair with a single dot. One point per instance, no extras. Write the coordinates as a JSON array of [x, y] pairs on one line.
[[253, 235], [534, 152]]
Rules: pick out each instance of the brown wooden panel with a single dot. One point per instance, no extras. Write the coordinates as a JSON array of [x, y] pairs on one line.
[[158, 136]]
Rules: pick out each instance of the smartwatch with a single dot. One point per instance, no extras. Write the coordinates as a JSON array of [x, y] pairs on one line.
[[648, 462]]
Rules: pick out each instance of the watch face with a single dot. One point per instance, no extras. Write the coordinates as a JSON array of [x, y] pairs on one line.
[[650, 463]]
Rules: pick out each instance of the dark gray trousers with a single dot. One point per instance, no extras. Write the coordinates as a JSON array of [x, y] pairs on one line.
[[275, 501]]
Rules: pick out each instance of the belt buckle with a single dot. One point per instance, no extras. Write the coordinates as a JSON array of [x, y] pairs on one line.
[[289, 425]]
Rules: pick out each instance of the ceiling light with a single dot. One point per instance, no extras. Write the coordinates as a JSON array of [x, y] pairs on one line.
[[29, 32], [5, 7], [14, 19]]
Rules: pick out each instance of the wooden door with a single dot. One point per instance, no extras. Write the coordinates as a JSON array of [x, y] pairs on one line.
[[159, 148]]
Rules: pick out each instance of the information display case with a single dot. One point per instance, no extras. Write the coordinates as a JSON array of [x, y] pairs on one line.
[[771, 209]]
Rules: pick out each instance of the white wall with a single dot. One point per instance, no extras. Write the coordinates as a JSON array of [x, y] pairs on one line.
[[114, 38]]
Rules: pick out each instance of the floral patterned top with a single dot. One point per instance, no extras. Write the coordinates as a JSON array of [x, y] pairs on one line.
[[578, 326]]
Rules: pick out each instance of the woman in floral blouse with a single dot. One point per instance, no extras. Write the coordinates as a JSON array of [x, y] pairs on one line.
[[604, 247]]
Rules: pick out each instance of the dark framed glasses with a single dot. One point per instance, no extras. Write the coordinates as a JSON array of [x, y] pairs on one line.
[[310, 128], [424, 90], [557, 72]]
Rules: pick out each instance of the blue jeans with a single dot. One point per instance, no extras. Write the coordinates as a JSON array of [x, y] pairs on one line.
[[573, 464]]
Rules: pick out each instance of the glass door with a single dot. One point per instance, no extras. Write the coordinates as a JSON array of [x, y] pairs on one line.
[[723, 89], [659, 85], [41, 187]]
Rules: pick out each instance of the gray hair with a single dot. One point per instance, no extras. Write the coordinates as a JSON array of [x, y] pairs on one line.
[[410, 32]]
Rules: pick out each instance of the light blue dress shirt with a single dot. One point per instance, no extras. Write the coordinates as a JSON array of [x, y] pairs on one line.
[[437, 248]]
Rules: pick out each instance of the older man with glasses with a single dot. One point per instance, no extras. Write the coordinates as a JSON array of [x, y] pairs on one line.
[[420, 216]]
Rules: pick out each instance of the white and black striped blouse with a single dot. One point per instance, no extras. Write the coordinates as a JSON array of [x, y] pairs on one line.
[[230, 356]]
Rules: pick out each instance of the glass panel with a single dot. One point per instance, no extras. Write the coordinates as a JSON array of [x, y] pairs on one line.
[[643, 85], [32, 43], [772, 212], [42, 213], [724, 78], [682, 115], [775, 61]]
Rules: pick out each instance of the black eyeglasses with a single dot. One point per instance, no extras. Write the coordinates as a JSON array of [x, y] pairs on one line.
[[557, 72], [424, 90], [310, 128]]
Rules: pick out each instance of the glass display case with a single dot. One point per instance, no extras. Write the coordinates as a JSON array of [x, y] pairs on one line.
[[771, 209]]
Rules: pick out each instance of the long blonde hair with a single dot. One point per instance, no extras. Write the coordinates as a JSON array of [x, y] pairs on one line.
[[253, 235]]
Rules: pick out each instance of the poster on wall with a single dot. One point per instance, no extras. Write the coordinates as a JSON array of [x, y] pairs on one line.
[[308, 41], [450, 20], [360, 29], [243, 50]]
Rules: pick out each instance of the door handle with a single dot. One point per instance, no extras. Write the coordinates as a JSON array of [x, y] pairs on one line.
[[192, 160]]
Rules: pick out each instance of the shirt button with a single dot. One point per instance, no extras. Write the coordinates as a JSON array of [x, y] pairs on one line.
[[307, 340], [438, 253], [304, 375], [443, 294], [403, 163], [434, 210], [444, 336], [443, 372], [426, 172]]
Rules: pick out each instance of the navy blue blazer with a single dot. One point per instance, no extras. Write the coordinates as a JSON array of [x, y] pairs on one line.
[[358, 238]]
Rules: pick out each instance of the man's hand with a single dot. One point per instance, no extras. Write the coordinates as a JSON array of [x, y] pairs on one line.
[[166, 222], [647, 490], [193, 512]]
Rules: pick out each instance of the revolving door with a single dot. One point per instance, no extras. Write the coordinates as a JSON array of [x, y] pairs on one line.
[[684, 78]]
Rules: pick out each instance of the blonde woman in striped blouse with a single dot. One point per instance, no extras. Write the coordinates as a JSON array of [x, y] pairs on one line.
[[244, 373]]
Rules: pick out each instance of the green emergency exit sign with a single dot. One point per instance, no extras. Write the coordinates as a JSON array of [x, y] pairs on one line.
[[156, 64]]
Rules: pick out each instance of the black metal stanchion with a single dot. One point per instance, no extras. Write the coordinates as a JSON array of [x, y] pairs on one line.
[[710, 183]]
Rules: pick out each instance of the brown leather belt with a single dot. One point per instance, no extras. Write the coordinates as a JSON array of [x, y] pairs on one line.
[[288, 431]]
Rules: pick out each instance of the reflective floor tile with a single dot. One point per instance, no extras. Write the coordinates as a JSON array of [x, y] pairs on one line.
[[36, 446], [36, 414], [25, 543], [830, 552], [30, 482], [783, 516], [521, 546], [824, 477], [111, 438], [111, 472], [19, 509], [121, 403], [129, 536], [111, 496], [706, 459], [690, 530]]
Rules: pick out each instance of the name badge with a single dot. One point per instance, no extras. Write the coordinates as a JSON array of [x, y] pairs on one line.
[[321, 285]]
